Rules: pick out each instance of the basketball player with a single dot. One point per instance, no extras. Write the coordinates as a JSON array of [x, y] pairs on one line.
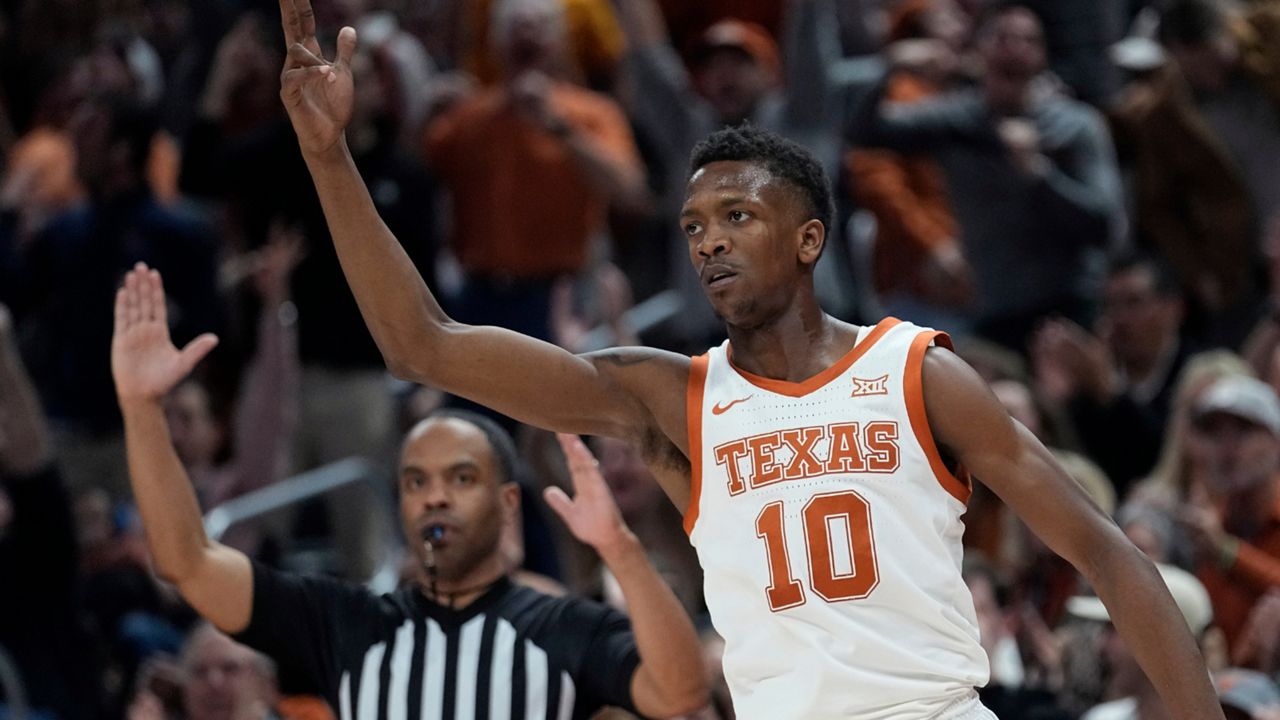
[[819, 465]]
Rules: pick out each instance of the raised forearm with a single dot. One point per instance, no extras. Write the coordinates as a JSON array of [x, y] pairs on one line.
[[214, 579], [267, 410], [811, 45], [1149, 621], [163, 492], [398, 309], [670, 679], [1083, 200], [1089, 211], [642, 20]]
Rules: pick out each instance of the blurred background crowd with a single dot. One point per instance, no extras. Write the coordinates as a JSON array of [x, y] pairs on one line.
[[1086, 194]]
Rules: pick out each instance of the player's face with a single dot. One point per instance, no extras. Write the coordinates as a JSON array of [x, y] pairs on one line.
[[749, 240], [450, 491]]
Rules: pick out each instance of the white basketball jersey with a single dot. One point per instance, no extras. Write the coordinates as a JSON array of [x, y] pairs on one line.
[[828, 529]]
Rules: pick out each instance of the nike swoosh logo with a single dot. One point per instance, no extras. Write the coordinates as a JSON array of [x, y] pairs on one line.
[[719, 409]]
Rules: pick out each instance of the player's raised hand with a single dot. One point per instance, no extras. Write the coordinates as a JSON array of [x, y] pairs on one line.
[[318, 94], [144, 361], [592, 515]]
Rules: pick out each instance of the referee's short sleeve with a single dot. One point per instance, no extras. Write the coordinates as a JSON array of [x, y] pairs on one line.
[[296, 622], [610, 658]]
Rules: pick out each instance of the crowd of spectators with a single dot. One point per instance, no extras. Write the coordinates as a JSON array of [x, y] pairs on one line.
[[1086, 195]]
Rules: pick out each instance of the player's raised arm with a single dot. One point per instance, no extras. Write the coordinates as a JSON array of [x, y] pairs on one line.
[[527, 379], [969, 423], [215, 579]]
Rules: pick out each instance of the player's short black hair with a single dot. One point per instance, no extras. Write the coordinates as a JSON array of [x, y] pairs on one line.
[[783, 158], [500, 442]]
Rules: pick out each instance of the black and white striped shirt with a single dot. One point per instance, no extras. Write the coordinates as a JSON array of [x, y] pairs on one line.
[[513, 654]]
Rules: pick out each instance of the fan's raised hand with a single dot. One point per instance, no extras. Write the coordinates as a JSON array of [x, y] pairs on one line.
[[317, 94]]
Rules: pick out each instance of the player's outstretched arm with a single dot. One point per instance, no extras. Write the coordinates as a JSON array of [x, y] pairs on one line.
[[215, 579], [670, 679], [529, 380], [970, 423]]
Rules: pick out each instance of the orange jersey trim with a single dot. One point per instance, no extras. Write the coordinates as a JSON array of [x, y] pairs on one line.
[[804, 387], [693, 421], [913, 384]]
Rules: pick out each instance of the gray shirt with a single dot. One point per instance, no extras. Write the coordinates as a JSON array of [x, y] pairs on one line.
[[1037, 243]]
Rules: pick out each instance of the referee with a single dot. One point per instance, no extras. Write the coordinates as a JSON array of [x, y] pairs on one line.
[[465, 642]]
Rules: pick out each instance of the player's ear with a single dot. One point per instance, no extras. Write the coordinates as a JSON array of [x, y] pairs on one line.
[[813, 236]]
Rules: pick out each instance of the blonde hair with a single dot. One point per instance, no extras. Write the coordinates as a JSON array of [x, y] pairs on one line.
[[1170, 480]]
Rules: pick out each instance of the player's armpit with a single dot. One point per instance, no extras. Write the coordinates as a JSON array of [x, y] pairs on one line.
[[658, 380]]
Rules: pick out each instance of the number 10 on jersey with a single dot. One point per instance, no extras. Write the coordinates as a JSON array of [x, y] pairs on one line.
[[819, 515]]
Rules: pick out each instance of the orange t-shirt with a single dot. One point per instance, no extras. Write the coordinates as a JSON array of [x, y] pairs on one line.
[[304, 707], [522, 206], [1256, 569], [907, 195]]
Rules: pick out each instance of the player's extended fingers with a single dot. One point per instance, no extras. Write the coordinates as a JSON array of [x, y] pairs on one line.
[[292, 82], [346, 46], [292, 24], [300, 56], [306, 19]]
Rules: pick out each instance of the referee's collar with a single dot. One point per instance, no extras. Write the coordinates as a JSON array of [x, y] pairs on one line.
[[487, 599]]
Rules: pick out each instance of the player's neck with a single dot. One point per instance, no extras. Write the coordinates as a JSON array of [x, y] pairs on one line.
[[799, 344]]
